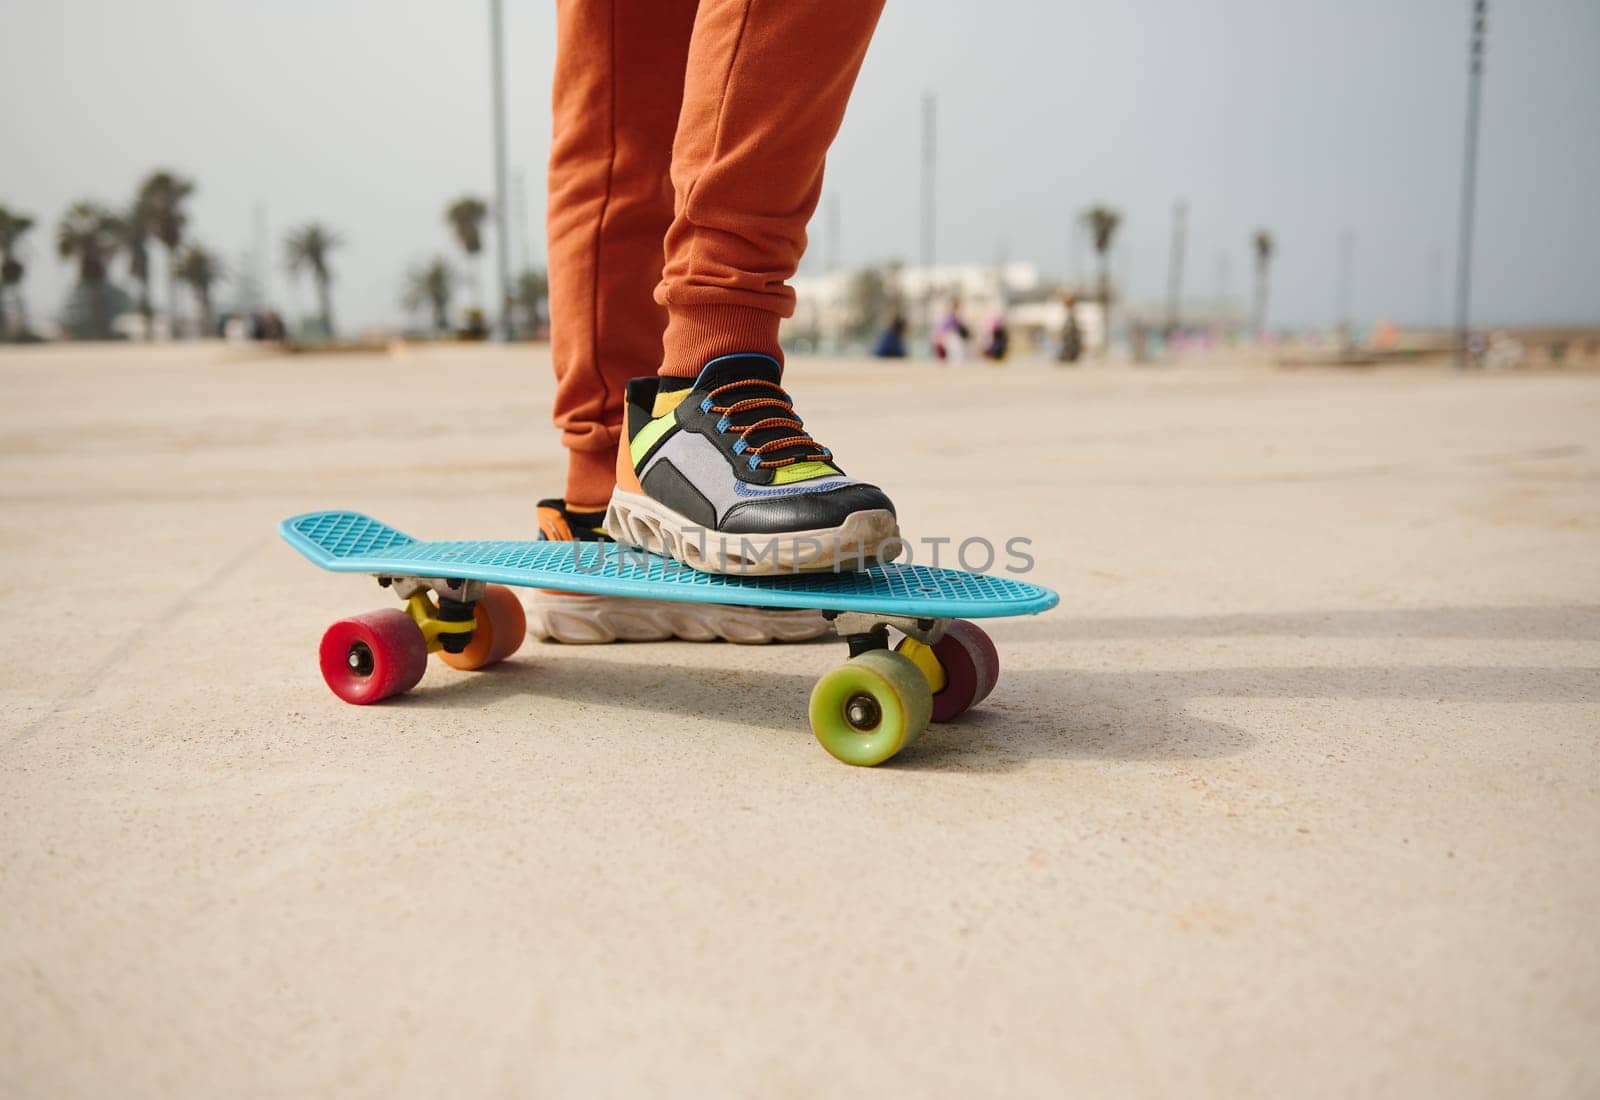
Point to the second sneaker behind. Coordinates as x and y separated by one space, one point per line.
582 619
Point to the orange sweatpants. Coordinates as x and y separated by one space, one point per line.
686 160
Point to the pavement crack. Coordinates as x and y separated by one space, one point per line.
97 673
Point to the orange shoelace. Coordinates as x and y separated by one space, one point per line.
789 423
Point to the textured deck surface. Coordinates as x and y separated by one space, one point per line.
349 542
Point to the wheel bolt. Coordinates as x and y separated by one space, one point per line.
360 659
862 712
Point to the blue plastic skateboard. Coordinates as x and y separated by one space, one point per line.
864 711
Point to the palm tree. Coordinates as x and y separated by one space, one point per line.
90 235
136 241
199 269
431 286
1102 222
12 226
159 209
308 248
1264 247
465 217
869 298
532 288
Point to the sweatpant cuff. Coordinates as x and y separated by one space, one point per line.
698 334
591 475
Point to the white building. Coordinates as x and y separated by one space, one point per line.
844 311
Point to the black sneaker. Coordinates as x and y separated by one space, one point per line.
727 479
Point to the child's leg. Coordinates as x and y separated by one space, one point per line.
766 90
619 80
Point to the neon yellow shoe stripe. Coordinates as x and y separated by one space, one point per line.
640 445
802 471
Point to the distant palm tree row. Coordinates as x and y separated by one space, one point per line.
1102 222
430 286
93 234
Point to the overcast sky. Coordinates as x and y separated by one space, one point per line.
1308 117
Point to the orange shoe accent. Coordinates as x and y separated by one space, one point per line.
627 479
554 525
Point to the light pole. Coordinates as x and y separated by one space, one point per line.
1347 253
502 235
1180 221
1224 277
930 111
929 153
1469 183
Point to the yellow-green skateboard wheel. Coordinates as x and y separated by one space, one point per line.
870 707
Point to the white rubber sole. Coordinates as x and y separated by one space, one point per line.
862 540
577 619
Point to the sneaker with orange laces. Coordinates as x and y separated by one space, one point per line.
720 473
578 619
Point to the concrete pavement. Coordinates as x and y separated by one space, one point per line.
1295 793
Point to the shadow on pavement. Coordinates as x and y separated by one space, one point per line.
1144 714
1580 622
1082 713
759 699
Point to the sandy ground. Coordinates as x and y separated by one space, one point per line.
1296 793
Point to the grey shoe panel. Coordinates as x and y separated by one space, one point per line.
698 462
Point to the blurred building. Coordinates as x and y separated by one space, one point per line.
842 312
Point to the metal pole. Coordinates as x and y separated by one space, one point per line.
260 263
502 235
1469 183
838 292
1079 242
519 191
831 211
1435 317
1224 311
1180 219
1347 251
929 119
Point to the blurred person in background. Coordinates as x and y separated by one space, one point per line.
891 341
950 335
997 341
1071 335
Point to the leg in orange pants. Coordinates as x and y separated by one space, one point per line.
618 86
754 92
767 88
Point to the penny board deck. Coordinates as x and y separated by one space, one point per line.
350 542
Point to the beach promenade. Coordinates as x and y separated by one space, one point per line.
1296 793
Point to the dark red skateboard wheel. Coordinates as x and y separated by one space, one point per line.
370 657
499 628
977 639
971 669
